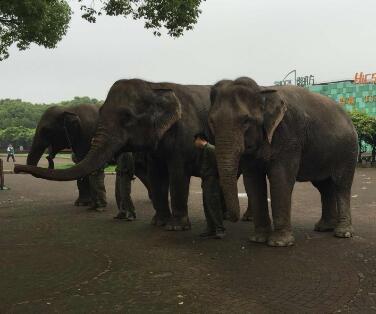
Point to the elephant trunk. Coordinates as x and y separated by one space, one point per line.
102 149
228 164
36 152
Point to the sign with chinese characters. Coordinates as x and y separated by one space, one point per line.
361 78
347 100
351 100
305 80
284 82
296 80
369 98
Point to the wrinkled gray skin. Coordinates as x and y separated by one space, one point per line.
286 134
71 127
160 118
60 128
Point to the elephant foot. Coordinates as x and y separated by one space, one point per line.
81 202
247 216
160 221
344 231
178 224
261 235
281 238
324 225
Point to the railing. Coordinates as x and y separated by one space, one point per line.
1 175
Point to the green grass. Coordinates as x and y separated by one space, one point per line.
110 168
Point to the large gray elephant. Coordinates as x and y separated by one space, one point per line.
72 127
66 127
160 118
287 134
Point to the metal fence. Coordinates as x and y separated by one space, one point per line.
1 175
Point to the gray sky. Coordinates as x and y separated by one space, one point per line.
263 39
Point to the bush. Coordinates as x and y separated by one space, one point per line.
365 126
17 136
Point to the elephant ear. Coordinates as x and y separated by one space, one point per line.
167 110
72 126
274 109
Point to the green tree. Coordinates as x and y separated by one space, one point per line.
365 127
17 136
80 101
15 112
45 22
373 139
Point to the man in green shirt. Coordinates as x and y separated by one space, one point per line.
211 190
125 171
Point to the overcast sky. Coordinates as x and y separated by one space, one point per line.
263 39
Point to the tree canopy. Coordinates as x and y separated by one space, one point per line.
365 126
45 22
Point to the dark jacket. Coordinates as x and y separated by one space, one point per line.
208 162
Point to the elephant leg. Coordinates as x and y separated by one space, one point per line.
329 215
282 180
98 189
344 227
84 198
248 215
179 191
142 175
256 188
159 184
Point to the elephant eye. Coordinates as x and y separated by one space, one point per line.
127 118
246 121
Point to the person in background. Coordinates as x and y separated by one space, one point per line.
10 152
211 190
125 171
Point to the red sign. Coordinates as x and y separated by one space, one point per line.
361 78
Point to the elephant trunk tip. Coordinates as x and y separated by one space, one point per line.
19 168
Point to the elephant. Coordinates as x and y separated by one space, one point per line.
66 127
72 127
160 119
285 134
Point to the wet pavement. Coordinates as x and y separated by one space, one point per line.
55 257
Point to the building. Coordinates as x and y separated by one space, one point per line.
352 95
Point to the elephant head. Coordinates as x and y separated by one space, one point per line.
243 117
134 117
57 129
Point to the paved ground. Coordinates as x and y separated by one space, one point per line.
55 257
